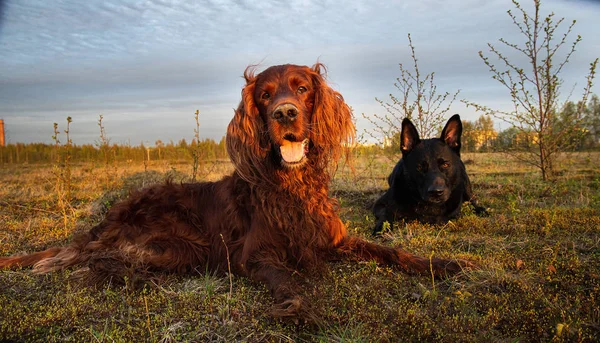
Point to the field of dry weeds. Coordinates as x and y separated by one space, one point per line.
539 253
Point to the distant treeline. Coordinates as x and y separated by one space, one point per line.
208 149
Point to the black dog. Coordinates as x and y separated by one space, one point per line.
430 182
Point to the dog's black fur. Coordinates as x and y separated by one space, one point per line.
430 181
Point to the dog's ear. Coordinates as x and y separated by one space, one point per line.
245 139
332 126
451 133
409 137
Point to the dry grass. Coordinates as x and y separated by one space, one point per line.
539 253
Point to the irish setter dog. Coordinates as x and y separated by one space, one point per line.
272 217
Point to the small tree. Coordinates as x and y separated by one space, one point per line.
418 100
593 119
507 139
486 134
159 146
478 135
468 140
535 87
575 136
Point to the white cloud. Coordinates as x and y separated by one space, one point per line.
162 59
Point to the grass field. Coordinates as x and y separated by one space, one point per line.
538 252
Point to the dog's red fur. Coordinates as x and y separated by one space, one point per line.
270 217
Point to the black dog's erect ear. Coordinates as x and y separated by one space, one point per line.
451 133
409 137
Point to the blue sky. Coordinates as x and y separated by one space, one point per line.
147 65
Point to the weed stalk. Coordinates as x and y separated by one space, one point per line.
62 170
105 149
196 148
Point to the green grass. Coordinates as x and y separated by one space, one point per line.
538 252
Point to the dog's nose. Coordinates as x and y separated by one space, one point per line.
285 112
435 191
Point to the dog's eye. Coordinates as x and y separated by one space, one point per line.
266 96
445 165
301 89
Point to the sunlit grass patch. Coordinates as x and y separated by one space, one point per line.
537 253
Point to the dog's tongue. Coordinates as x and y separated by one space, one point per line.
292 151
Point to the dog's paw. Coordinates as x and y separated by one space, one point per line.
288 308
445 268
381 227
481 211
377 230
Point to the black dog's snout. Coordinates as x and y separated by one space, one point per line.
436 191
285 112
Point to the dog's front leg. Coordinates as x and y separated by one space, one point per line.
265 263
471 198
284 289
355 248
383 211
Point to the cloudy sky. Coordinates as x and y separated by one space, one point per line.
147 65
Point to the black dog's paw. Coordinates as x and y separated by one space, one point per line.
377 230
481 211
381 227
